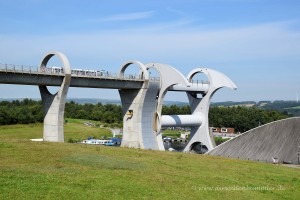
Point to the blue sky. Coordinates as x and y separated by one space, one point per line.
254 42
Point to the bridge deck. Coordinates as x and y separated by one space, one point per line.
39 78
32 76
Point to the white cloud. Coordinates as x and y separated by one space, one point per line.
258 42
128 16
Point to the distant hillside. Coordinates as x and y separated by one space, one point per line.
118 102
76 100
232 103
94 101
288 107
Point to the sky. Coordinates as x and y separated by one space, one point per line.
256 43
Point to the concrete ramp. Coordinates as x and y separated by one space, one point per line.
280 139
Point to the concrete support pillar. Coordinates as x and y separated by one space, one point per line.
139 107
200 134
172 79
169 77
54 104
200 106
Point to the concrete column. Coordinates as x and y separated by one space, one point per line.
200 107
54 104
169 77
200 134
139 108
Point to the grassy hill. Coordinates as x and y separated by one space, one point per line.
43 170
74 129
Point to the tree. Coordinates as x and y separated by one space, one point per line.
240 118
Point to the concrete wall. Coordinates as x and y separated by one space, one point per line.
278 139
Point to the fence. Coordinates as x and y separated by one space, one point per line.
12 68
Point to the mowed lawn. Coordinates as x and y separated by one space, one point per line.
74 129
44 170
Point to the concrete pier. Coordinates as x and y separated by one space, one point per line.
54 104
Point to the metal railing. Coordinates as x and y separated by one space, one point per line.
155 79
18 68
24 69
199 82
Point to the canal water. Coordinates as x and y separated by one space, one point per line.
180 145
177 145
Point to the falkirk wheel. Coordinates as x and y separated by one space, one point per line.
142 109
142 106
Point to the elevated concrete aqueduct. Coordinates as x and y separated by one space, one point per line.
142 107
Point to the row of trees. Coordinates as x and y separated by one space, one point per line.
29 111
21 112
241 118
108 113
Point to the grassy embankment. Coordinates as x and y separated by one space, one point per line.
43 170
74 129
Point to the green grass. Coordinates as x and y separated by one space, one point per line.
44 170
172 133
220 140
74 129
